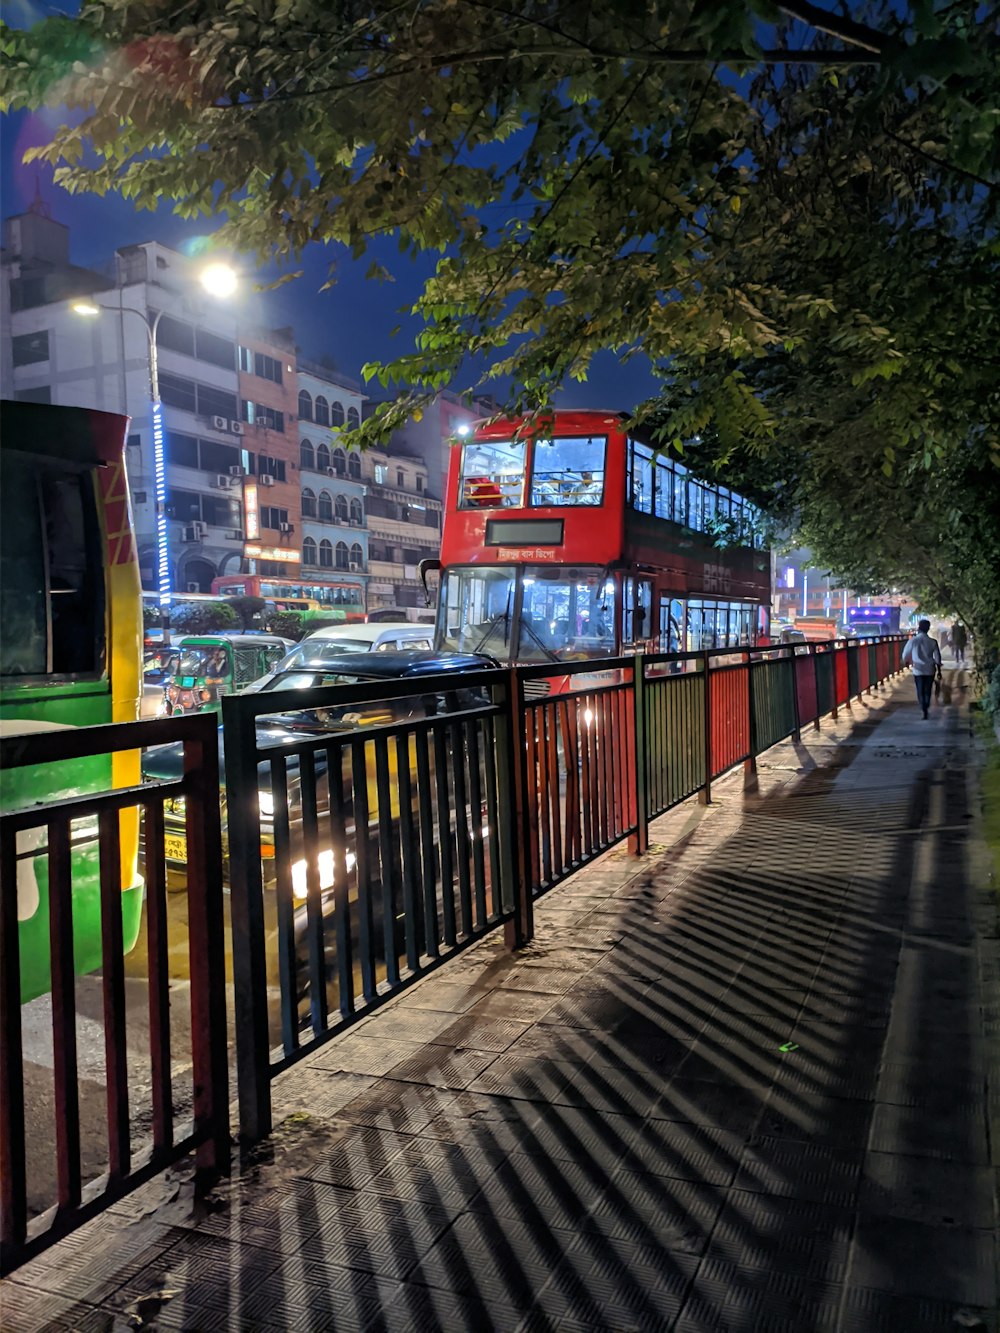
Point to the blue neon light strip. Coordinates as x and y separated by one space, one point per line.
160 479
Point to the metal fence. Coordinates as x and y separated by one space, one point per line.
63 837
361 856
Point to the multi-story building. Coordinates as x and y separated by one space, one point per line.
270 490
404 527
334 530
189 524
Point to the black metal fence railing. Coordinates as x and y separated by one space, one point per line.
373 830
64 855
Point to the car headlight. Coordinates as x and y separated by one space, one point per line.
324 863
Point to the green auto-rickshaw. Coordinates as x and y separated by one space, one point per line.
212 665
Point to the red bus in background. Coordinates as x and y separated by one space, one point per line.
340 599
582 543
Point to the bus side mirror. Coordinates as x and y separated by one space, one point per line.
424 568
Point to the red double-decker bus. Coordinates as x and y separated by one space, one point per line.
584 543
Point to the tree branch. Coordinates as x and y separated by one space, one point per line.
834 25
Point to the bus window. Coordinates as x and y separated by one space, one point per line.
568 471
52 583
641 477
477 607
492 474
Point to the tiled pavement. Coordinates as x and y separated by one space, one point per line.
744 1084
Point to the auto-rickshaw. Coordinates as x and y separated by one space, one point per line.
212 665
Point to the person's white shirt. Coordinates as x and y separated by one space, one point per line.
922 654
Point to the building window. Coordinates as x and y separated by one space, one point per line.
322 458
400 478
357 513
272 517
308 503
325 505
322 411
259 414
340 462
178 392
336 413
308 550
343 555
217 458
353 420
305 406
214 402
246 360
213 349
420 485
307 459
381 474
274 467
326 554
357 555
266 367
30 348
41 393
354 464
178 337
341 509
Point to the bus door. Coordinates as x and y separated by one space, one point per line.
637 603
671 625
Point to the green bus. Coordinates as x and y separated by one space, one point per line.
70 652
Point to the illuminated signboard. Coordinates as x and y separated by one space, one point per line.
160 488
254 552
251 513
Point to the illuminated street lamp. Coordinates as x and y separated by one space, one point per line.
219 280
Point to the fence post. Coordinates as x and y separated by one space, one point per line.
796 735
247 911
512 778
638 842
705 795
813 653
750 763
13 1178
207 945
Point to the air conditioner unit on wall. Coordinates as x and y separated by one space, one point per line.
236 427
222 481
286 528
194 532
220 423
237 535
236 472
266 479
331 472
354 566
193 587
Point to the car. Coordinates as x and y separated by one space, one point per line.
328 644
288 724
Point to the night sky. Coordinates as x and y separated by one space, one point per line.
351 323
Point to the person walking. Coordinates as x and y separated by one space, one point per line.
959 638
923 656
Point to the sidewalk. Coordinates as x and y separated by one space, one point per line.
742 1084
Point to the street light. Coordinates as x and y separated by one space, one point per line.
220 280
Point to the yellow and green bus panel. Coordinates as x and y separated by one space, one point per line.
70 651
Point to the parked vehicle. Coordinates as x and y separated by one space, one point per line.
417 615
165 762
327 644
212 665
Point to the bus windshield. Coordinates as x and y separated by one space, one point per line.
564 614
565 470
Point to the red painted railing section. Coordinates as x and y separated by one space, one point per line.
864 673
840 675
729 713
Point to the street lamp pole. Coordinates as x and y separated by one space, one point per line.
219 280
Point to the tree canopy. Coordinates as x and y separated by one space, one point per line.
791 212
